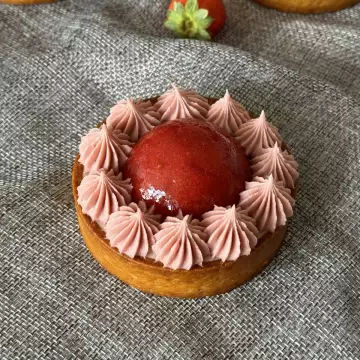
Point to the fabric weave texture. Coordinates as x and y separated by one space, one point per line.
62 66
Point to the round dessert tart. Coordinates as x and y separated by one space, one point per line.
308 6
184 196
26 2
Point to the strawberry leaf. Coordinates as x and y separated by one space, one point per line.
179 7
201 14
191 6
175 18
170 25
203 35
204 24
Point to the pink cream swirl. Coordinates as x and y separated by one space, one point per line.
181 243
181 104
104 148
101 193
256 134
228 114
231 232
131 229
274 161
133 118
268 202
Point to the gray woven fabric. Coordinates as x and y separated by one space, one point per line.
61 68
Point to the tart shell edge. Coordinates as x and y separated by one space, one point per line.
212 278
308 6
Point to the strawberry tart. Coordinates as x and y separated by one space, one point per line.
182 195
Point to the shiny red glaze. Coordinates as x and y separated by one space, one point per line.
189 165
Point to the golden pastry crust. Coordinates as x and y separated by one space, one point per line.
25 2
308 6
149 276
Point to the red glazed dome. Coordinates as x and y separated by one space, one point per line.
189 165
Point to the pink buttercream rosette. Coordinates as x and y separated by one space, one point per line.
181 104
101 193
256 134
280 164
228 114
231 232
131 229
134 118
268 202
181 243
104 148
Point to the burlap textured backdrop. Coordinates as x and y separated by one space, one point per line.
61 68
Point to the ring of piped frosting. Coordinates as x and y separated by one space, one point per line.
182 242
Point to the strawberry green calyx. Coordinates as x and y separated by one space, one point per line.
189 21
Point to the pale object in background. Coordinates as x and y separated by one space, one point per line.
25 2
308 6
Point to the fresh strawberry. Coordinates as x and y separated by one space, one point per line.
198 19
